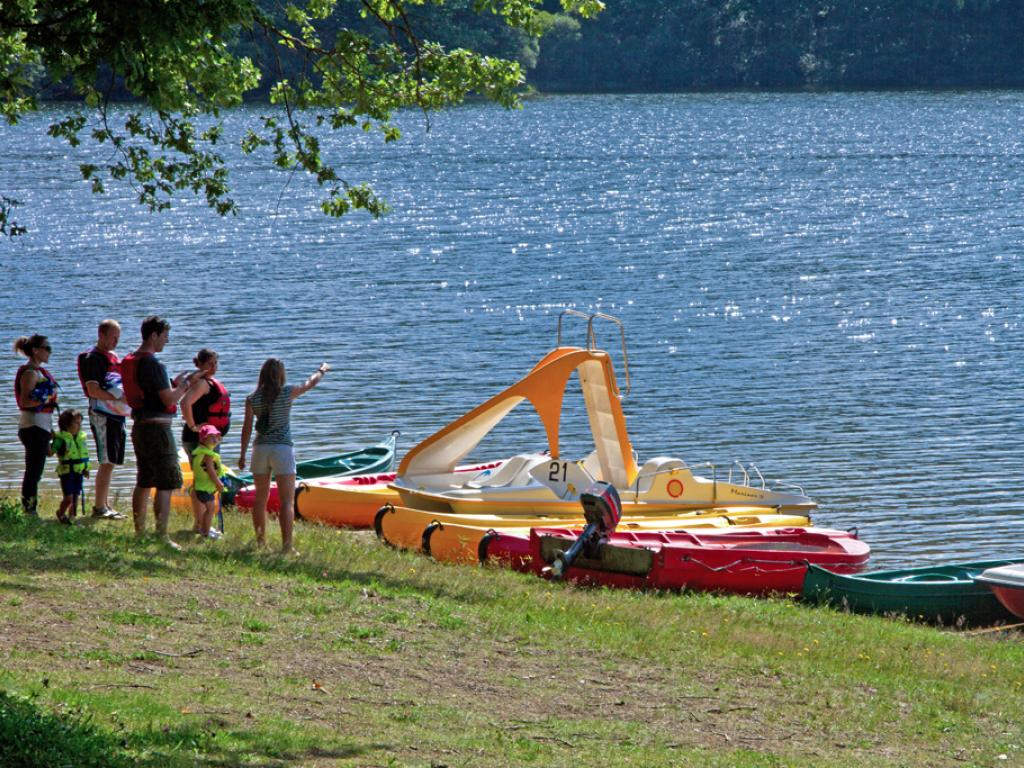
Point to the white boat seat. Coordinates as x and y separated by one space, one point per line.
505 474
525 475
652 468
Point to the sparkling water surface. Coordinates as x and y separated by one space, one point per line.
827 285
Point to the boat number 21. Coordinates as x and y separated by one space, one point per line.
558 471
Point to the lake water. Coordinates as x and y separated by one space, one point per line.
828 285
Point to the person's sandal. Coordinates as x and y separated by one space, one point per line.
106 514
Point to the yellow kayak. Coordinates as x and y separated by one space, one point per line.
342 503
181 498
455 538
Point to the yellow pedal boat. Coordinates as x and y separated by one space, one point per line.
548 483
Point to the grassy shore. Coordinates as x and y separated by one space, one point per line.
123 652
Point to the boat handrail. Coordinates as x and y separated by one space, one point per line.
737 465
592 337
777 485
747 469
702 465
754 468
592 341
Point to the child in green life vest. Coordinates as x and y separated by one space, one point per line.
206 473
72 462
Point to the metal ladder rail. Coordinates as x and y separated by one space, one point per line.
592 338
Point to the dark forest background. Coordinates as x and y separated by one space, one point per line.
687 45
668 45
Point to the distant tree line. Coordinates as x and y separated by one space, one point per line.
669 45
685 45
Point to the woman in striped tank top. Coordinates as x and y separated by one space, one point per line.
268 409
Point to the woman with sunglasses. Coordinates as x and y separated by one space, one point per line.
35 391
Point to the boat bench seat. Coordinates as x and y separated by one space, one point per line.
516 467
653 467
524 476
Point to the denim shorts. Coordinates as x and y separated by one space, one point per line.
276 458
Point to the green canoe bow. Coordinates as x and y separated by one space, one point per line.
941 594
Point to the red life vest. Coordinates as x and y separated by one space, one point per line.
133 393
219 414
49 403
115 365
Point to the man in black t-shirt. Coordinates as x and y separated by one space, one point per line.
156 453
100 373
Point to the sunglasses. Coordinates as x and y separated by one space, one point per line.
47 347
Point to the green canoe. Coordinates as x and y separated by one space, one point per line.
941 594
366 461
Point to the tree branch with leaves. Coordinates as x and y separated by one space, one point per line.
331 65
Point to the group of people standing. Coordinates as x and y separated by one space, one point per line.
139 387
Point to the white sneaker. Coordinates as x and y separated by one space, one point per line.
214 534
106 514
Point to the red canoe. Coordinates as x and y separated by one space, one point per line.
749 562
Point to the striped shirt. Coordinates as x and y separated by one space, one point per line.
279 429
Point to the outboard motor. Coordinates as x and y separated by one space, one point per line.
602 509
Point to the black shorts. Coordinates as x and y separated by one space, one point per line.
156 456
204 496
71 483
109 434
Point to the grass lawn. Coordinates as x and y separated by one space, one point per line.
123 652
